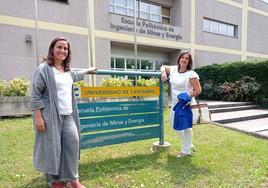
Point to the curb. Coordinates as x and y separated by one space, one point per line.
244 118
232 109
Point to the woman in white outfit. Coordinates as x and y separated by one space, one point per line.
182 79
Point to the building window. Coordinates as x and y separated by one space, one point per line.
130 64
63 1
266 1
155 13
145 10
165 15
121 6
218 27
118 63
123 64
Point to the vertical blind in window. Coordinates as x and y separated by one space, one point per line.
218 27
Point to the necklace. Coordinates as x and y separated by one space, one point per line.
59 68
182 71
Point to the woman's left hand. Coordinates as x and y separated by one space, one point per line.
163 76
91 70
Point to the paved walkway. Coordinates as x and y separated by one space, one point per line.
257 127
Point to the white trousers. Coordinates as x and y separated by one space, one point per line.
186 135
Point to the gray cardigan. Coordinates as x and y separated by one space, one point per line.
47 146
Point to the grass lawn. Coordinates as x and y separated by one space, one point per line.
224 158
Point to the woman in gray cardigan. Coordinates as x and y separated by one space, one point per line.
57 128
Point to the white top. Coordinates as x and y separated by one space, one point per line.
64 84
180 82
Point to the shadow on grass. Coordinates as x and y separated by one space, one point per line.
110 166
18 117
105 168
182 170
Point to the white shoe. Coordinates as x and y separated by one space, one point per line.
181 155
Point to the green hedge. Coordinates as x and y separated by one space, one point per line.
212 76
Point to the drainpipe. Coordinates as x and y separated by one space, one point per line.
36 33
135 35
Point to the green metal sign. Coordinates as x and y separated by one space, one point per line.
107 123
114 108
117 137
106 116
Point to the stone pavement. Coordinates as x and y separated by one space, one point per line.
244 117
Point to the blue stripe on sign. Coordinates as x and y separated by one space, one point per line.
116 108
117 137
117 122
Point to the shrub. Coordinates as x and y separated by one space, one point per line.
227 91
115 82
245 89
15 87
209 91
121 82
217 74
3 86
148 82
81 83
151 82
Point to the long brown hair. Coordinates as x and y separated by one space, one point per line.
50 56
190 64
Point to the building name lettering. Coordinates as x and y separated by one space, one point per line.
146 28
104 123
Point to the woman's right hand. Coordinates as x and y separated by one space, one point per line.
40 124
39 121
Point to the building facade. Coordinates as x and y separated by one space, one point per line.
105 33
